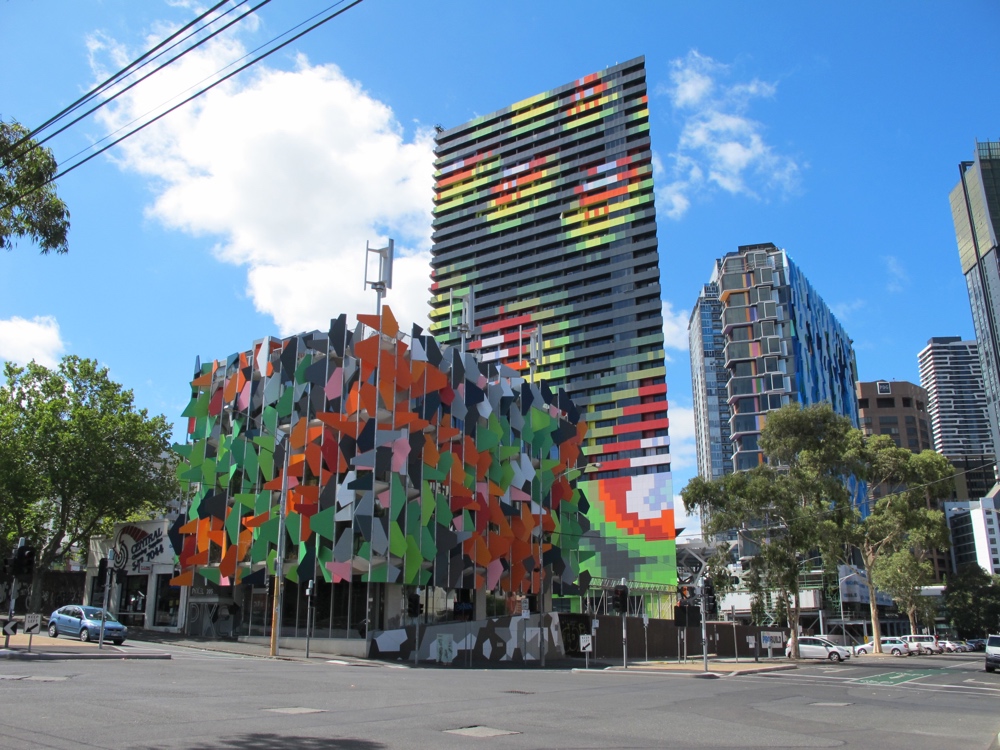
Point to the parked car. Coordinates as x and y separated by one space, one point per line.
85 623
923 644
992 652
951 646
811 647
978 644
890 645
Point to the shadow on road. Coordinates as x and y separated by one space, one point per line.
270 740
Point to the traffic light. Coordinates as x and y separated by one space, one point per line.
681 616
708 592
102 570
620 599
413 605
23 564
685 594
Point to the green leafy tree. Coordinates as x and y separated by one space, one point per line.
902 522
75 457
901 575
29 205
972 599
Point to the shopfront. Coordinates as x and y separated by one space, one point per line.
141 562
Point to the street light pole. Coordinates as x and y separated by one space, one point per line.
279 567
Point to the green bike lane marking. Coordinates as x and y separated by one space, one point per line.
896 678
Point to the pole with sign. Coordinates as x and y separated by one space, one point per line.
107 589
586 645
736 642
32 626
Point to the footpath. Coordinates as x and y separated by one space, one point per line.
151 646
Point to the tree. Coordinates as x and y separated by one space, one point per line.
903 522
29 206
777 510
901 575
972 598
75 457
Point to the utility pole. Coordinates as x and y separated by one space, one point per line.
279 566
12 591
107 590
704 630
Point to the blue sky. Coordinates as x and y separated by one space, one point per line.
832 130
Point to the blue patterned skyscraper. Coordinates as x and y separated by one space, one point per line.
780 344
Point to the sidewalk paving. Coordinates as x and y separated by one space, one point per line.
148 645
45 648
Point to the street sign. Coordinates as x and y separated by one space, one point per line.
751 641
772 639
10 628
586 644
594 624
645 619
525 607
32 624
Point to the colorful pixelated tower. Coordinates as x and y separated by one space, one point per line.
545 230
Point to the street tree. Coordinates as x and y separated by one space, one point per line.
903 521
902 575
76 455
972 599
29 206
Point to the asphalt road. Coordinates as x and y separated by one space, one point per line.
203 699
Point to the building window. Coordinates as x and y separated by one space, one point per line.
862 403
885 403
907 402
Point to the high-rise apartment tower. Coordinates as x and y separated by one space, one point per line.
951 373
975 208
781 344
709 377
545 260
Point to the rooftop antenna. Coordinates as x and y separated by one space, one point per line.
383 279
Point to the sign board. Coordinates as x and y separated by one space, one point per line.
445 643
594 624
525 607
10 628
751 641
645 619
586 644
146 568
772 639
32 624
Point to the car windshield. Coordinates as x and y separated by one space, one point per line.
94 613
993 641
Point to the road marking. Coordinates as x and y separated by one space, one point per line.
296 710
895 678
480 732
832 705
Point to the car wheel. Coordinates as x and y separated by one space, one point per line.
118 642
53 630
990 669
85 635
896 652
861 651
834 656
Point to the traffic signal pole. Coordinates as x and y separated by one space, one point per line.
704 632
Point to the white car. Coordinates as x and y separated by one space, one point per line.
890 645
950 646
811 647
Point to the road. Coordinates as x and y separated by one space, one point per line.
202 699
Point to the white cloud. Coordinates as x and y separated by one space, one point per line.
675 325
682 449
294 171
898 279
683 519
38 339
719 146
844 310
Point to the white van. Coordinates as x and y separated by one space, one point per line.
922 644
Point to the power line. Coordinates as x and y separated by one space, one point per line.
108 100
114 78
17 199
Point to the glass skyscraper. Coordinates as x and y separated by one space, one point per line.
975 208
781 344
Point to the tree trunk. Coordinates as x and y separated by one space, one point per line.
793 622
876 628
35 593
911 613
